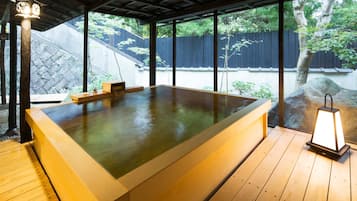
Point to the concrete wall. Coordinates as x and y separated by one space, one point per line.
102 57
203 79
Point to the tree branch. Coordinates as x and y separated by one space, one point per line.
298 8
325 13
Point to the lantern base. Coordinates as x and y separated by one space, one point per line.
328 152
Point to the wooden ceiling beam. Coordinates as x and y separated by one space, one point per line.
63 5
158 5
119 13
99 4
209 7
5 17
194 1
55 13
135 11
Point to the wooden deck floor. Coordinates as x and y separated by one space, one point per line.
282 168
21 175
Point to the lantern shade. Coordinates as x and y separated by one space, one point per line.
328 137
328 130
27 9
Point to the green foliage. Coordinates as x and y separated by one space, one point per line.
164 31
243 88
338 42
100 25
236 48
128 44
104 24
250 89
123 44
338 36
96 80
263 92
195 28
260 19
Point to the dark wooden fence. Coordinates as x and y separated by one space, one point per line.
198 51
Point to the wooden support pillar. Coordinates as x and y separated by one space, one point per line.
152 53
174 53
2 65
215 51
12 124
25 78
85 52
281 63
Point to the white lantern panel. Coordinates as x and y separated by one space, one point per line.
339 129
324 133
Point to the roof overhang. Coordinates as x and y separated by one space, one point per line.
54 12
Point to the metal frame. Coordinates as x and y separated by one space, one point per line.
85 52
281 64
215 51
25 74
174 53
13 73
335 155
2 64
153 35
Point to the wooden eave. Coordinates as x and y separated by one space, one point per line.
55 12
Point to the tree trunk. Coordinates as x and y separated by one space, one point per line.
225 64
304 61
305 55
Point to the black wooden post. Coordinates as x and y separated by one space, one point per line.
174 53
25 78
215 51
13 74
281 63
85 52
2 65
152 53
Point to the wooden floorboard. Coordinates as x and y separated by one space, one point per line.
21 175
228 191
276 185
261 175
353 173
296 186
317 187
339 188
283 168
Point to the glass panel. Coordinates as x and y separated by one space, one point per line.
4 65
322 60
248 55
118 50
164 55
195 54
56 61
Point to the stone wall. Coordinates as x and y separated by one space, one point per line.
53 70
57 61
103 59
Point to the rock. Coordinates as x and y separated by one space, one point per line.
301 107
